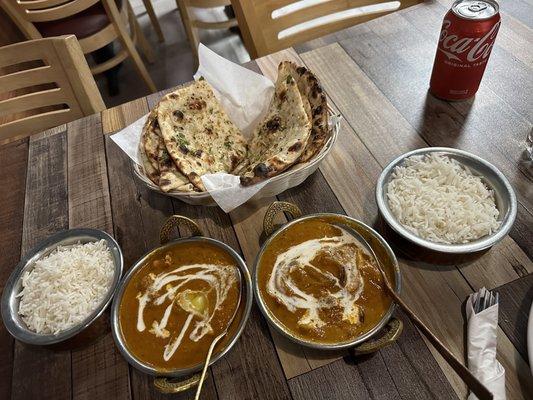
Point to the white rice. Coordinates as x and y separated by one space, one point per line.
438 199
65 287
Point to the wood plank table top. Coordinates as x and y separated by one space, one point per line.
376 76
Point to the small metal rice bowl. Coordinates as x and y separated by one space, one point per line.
503 193
10 302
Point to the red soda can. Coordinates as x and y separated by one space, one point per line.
468 33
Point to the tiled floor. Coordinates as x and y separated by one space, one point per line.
174 60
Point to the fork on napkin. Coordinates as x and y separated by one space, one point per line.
482 336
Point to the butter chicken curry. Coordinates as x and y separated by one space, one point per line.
177 303
319 283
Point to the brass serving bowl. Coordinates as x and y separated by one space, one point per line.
386 331
162 382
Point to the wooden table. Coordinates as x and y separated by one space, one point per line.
376 75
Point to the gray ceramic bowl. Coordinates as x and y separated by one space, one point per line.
10 303
491 176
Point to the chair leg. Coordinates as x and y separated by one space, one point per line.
139 65
153 19
102 55
126 41
143 43
191 31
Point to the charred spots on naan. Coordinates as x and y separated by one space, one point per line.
234 161
197 104
261 170
198 153
164 158
184 149
178 115
317 111
273 124
164 182
296 147
317 91
301 70
193 176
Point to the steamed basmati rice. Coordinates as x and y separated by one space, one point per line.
438 199
65 287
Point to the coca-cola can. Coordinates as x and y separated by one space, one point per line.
468 33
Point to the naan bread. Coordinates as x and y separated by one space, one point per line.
157 162
149 148
198 134
280 139
149 170
170 177
315 104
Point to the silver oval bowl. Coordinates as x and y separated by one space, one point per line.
378 243
10 302
177 373
491 176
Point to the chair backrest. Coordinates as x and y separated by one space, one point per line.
50 10
272 25
207 3
25 13
44 83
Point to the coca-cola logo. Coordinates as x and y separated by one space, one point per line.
475 48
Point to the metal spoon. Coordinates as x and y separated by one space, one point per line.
472 382
217 339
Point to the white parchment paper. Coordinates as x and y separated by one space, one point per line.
244 95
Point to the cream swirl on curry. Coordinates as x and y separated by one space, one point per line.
316 279
341 291
169 288
177 303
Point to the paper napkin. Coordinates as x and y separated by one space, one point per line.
482 335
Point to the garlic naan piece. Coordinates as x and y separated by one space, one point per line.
149 148
315 104
198 134
280 139
149 170
160 169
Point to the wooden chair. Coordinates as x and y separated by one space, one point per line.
96 24
153 19
44 83
268 26
192 24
